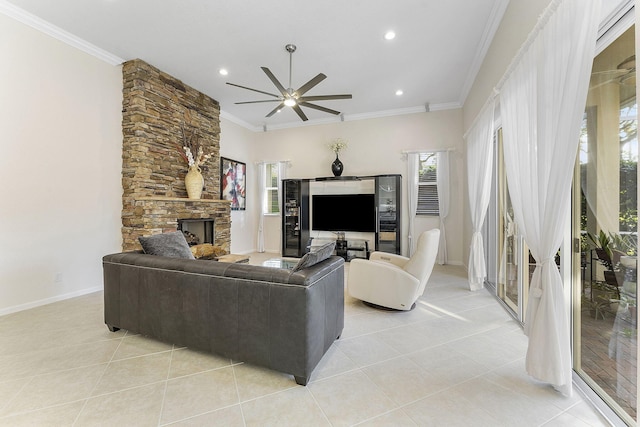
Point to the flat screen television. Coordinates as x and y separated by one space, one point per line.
343 212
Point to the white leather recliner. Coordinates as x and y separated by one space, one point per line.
391 280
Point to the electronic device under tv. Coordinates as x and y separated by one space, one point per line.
343 212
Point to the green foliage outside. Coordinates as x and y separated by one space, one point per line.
628 195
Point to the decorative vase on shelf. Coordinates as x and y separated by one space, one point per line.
337 167
194 182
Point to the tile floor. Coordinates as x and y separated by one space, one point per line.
457 359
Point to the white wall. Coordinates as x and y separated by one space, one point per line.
375 147
518 21
237 143
60 168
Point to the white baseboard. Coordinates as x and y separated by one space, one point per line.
458 263
33 304
242 252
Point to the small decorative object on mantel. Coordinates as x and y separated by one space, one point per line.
193 181
336 146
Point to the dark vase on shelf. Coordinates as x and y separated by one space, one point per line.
337 167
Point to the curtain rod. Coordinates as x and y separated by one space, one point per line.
264 162
542 21
437 150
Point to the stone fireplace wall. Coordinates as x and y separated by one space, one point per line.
156 109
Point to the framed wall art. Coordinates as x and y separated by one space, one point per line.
233 181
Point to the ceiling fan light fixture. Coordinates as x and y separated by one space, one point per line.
290 102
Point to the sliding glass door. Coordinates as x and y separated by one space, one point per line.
603 263
510 243
605 231
506 252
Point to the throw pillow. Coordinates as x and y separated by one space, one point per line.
325 251
173 245
307 260
314 257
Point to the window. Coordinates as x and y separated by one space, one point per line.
428 185
271 189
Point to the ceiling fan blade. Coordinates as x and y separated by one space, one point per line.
320 108
275 81
310 84
323 97
255 90
257 102
275 110
298 110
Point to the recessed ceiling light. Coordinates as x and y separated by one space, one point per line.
389 35
223 72
399 92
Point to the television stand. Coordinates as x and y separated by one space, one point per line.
346 248
349 248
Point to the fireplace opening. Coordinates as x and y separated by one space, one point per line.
197 231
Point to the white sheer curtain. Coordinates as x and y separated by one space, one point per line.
542 104
412 197
442 173
262 171
282 174
479 168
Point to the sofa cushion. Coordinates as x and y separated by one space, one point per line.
172 245
315 256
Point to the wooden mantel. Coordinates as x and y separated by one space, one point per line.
181 199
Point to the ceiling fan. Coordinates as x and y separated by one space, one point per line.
293 98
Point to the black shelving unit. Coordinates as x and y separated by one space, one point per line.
295 217
388 191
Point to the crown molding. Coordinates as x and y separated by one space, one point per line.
39 24
387 113
445 106
314 122
619 20
239 122
489 32
403 111
347 117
